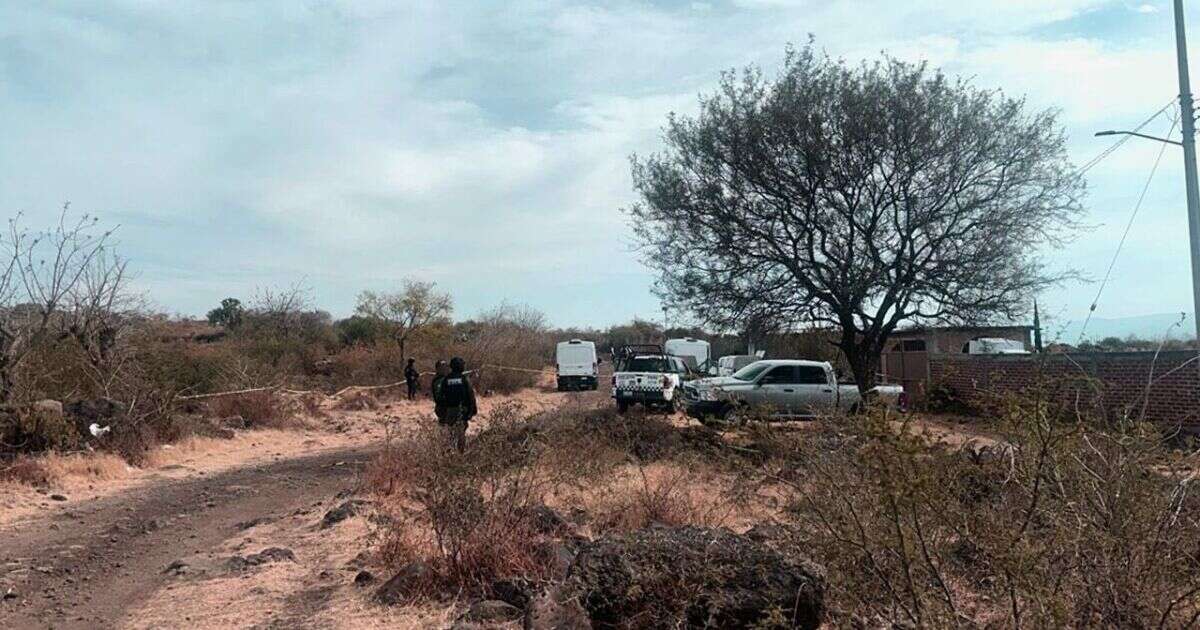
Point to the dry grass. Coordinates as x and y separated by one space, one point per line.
668 494
63 469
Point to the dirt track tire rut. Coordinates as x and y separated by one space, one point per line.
87 566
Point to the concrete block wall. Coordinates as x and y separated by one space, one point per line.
1165 389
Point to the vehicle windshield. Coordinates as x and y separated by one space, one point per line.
648 364
751 372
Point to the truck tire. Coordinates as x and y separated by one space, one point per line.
733 415
622 406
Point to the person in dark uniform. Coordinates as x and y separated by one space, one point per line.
440 371
412 379
457 400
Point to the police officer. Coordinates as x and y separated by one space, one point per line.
411 378
440 371
457 400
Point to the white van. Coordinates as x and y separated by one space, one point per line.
729 364
577 365
986 345
695 352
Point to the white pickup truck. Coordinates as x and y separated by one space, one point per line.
782 389
648 376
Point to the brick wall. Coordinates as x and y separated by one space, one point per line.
1116 383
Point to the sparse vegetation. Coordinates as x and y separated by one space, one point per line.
1062 522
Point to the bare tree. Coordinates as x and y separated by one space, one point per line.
41 273
281 311
854 197
415 306
100 308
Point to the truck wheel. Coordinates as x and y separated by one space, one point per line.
733 415
622 406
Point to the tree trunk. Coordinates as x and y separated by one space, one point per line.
863 357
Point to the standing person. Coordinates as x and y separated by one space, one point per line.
412 378
440 371
458 401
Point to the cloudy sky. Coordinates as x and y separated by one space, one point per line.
484 145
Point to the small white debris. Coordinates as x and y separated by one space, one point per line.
98 430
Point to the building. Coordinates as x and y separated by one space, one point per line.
905 359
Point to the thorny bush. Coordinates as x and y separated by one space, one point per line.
475 517
1058 523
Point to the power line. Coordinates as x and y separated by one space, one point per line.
1128 226
1119 143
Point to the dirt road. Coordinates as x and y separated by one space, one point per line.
88 567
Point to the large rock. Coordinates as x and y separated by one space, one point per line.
696 577
342 512
492 611
413 579
266 556
101 411
555 610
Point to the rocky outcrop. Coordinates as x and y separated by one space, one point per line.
695 577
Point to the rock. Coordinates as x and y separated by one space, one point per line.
557 555
343 512
222 433
10 593
254 522
552 610
48 407
544 519
100 411
178 567
363 578
513 591
266 556
411 580
695 577
58 497
234 422
492 611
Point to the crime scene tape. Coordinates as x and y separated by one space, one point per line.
350 388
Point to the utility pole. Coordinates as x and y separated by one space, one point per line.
1188 114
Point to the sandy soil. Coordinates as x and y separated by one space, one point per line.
152 547
103 556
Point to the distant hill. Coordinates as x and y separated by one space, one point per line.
1142 326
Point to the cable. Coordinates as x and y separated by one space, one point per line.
1119 143
1128 226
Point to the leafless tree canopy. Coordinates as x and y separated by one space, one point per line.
60 283
857 197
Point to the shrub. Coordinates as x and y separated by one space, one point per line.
29 429
1063 524
258 409
25 470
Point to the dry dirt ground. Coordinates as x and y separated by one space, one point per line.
173 545
184 542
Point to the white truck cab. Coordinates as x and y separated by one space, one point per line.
577 365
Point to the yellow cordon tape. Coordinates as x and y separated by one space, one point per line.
344 390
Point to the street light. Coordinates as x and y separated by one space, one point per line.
1140 135
1192 181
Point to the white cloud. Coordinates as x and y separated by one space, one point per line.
482 144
